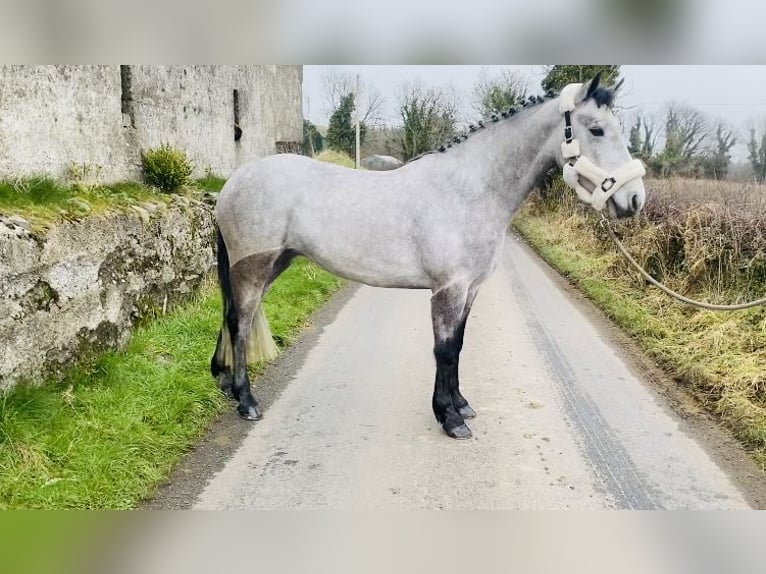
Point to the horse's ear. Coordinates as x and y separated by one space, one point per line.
593 85
589 88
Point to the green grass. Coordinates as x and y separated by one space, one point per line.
114 428
210 183
336 157
44 201
720 357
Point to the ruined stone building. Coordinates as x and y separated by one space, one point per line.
77 288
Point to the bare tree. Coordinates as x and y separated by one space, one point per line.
429 117
651 134
495 94
718 156
644 135
688 135
383 140
756 148
339 84
686 130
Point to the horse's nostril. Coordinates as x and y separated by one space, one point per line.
634 201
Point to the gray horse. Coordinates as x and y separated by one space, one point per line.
437 223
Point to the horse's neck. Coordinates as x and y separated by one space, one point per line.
518 153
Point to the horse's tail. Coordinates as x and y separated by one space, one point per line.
261 346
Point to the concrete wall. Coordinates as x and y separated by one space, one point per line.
54 116
80 287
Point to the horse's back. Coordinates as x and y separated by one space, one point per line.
357 224
263 197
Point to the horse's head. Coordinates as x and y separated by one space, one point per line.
594 156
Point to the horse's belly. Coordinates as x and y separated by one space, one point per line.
385 263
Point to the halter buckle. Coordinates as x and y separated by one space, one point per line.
608 183
568 134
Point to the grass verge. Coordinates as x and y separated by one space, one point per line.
721 357
336 157
210 183
43 201
114 428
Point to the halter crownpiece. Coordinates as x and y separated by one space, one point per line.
576 165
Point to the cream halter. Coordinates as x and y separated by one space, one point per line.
576 165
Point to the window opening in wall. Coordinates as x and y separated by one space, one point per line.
126 85
237 128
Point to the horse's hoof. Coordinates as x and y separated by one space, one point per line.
461 432
251 413
467 412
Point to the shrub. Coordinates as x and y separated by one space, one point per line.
166 168
312 139
341 133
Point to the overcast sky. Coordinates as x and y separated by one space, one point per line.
733 93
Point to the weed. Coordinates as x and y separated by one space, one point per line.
83 176
166 168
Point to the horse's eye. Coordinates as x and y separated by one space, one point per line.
597 132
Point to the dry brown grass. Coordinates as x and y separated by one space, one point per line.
704 237
683 193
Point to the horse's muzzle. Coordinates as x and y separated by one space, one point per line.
635 204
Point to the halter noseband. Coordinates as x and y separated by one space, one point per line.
576 165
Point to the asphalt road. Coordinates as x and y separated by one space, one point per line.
565 419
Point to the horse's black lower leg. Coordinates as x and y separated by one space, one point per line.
443 404
446 309
460 402
239 324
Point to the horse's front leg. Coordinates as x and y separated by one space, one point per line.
460 402
447 313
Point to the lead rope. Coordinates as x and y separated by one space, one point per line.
702 305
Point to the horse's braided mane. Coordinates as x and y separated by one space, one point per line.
602 96
482 124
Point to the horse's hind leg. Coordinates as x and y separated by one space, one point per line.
447 313
249 278
238 323
243 286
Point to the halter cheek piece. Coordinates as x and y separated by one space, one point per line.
576 166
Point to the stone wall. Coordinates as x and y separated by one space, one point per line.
80 287
101 117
